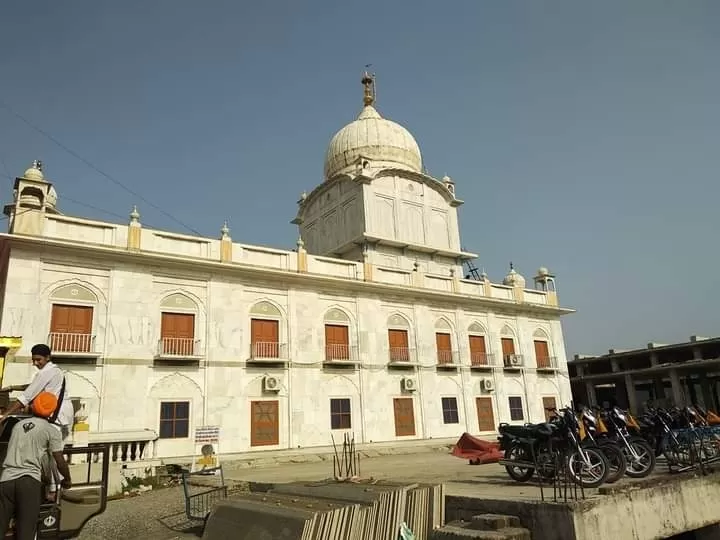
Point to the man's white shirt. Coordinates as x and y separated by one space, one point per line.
50 379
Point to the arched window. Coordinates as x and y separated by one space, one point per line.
337 336
178 325
265 338
72 320
399 339
443 342
478 346
507 342
543 357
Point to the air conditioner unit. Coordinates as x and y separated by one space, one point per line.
488 385
514 360
409 385
271 384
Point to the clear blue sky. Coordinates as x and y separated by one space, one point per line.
583 136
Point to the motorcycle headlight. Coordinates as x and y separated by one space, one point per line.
621 415
590 416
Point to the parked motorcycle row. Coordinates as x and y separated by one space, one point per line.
596 446
684 436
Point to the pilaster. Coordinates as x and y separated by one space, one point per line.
134 230
301 256
226 246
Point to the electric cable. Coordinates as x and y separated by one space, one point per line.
47 135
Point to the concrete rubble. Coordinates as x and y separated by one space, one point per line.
483 527
330 511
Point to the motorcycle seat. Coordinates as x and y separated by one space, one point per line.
529 431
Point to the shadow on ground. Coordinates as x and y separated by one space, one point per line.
179 523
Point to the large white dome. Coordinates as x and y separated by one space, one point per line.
373 137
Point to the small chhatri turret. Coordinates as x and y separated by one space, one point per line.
514 279
35 171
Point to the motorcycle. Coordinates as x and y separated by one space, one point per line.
551 448
593 433
640 455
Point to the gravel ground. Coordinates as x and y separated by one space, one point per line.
156 515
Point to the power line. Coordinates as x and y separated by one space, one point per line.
7 171
5 106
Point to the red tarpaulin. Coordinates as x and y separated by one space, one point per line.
476 450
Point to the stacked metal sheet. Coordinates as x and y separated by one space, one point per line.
425 510
339 511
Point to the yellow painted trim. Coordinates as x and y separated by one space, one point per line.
11 342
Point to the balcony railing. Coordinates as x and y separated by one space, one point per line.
546 362
171 347
340 352
401 355
267 350
127 446
68 344
480 360
447 357
513 361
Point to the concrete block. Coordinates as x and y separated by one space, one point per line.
451 532
493 522
251 520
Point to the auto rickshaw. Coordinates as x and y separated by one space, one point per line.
67 514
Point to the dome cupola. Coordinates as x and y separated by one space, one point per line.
372 137
514 279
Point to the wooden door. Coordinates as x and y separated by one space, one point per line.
508 346
265 338
478 352
444 348
337 342
404 417
548 403
486 417
71 328
177 332
264 423
398 341
542 354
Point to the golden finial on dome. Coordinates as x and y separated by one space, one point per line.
368 82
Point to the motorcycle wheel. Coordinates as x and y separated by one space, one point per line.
519 474
644 465
617 461
592 474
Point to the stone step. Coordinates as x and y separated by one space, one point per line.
493 522
454 532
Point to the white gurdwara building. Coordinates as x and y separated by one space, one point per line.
368 326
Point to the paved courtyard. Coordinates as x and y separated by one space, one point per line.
489 480
159 514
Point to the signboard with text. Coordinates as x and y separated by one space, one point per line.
207 441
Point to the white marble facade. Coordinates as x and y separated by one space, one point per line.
123 388
383 252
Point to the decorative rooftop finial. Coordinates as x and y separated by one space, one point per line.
300 244
225 230
37 164
368 82
511 266
134 215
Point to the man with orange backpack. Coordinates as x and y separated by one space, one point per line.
31 440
